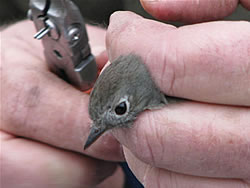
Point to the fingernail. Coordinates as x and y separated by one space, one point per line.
122 17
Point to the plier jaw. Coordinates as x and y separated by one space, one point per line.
62 29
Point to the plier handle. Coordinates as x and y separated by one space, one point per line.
62 29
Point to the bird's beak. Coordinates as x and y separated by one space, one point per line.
94 134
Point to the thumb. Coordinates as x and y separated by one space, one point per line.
194 62
189 11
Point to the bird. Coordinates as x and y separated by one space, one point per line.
123 90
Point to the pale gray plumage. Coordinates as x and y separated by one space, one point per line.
127 83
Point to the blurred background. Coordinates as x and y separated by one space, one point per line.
95 12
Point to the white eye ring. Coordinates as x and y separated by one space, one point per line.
122 107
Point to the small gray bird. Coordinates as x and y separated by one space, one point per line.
123 90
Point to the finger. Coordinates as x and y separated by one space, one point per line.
42 107
101 60
207 62
150 176
192 138
96 38
18 42
189 11
25 163
246 4
97 42
39 105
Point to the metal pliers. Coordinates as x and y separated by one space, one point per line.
62 29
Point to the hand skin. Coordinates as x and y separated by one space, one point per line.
44 120
192 11
202 143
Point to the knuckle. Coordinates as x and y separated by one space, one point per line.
150 146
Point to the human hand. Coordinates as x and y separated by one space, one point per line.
192 11
202 143
45 121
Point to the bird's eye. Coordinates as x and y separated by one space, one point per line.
121 108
